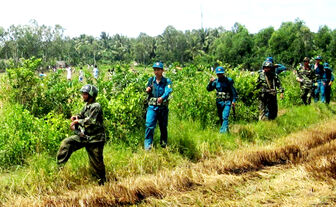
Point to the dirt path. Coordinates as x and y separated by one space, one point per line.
298 170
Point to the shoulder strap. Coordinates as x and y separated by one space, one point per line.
152 85
152 81
165 81
267 81
229 80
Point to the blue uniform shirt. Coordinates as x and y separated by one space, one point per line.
161 89
328 76
319 71
224 85
280 68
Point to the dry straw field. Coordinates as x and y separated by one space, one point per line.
297 170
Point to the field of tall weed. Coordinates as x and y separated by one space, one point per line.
36 112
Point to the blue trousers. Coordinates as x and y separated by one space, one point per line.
319 92
223 110
153 115
327 92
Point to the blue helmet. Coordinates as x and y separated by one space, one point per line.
326 66
270 59
318 58
220 70
158 65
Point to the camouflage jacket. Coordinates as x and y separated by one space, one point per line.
307 76
91 122
269 83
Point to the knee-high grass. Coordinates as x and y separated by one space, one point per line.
188 142
32 128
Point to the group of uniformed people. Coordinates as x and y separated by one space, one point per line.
90 132
315 80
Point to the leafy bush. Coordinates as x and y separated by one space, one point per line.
36 118
22 134
292 95
24 84
191 100
124 113
39 96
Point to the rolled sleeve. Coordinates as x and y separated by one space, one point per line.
211 85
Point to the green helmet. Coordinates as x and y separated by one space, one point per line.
90 89
318 58
267 64
306 59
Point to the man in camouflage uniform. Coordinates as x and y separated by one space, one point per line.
306 77
268 82
89 133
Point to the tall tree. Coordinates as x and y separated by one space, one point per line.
144 49
260 47
171 46
291 42
234 46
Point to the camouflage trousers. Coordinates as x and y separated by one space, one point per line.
94 150
268 106
306 95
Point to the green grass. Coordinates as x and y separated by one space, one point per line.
188 142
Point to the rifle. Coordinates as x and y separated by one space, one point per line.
150 94
308 83
234 112
79 130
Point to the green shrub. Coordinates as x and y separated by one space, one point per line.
37 115
22 134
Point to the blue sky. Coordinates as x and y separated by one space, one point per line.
129 17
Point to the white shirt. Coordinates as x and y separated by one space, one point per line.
95 73
81 75
69 73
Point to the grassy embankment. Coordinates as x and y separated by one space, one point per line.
190 145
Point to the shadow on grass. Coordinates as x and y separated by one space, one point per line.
187 147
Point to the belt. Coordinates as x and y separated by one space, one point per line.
269 91
223 95
154 102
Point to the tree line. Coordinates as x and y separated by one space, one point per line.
288 45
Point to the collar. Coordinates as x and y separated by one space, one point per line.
163 80
89 105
